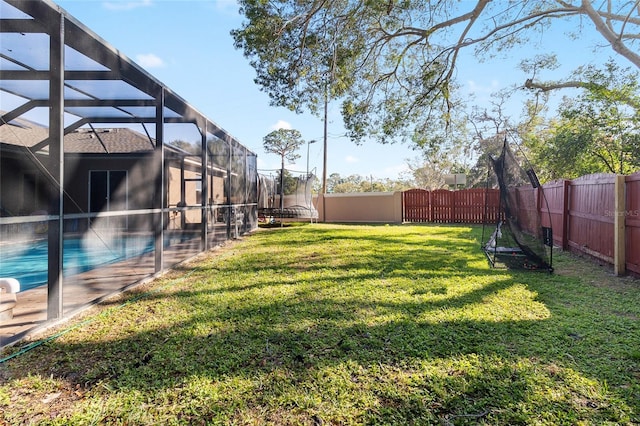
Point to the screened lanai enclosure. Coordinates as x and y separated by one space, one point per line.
107 177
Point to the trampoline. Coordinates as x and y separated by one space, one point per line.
295 202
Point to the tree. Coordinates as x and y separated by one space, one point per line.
285 143
490 128
591 137
193 148
595 131
611 80
355 183
392 62
289 183
441 153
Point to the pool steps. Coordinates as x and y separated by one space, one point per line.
8 289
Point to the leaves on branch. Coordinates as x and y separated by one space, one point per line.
392 64
284 142
599 129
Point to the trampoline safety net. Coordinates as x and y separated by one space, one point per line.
297 199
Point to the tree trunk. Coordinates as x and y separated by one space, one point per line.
282 187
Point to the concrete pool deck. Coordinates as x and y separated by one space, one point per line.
86 289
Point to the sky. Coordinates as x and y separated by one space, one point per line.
186 45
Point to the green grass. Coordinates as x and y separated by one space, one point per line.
336 324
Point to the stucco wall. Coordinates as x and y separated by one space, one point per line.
368 207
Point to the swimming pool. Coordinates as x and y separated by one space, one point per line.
28 262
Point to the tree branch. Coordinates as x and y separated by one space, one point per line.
475 14
576 84
547 87
462 18
615 42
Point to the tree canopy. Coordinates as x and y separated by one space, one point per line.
283 142
392 63
357 183
597 131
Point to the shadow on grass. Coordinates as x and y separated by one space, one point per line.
389 320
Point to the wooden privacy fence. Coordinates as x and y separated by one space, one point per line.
476 205
632 222
598 215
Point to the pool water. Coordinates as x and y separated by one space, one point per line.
28 263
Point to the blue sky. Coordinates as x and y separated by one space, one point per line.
186 45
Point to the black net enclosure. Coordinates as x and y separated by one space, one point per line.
294 201
518 239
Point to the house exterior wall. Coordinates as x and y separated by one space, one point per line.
22 196
136 194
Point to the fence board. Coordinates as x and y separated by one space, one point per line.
524 201
415 205
590 218
632 222
475 205
492 206
442 206
553 205
469 206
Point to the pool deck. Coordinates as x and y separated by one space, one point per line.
84 290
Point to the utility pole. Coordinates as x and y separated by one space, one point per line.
324 137
308 179
324 158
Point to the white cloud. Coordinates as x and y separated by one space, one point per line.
149 60
394 172
474 87
281 124
227 5
351 159
126 5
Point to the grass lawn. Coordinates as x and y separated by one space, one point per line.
335 324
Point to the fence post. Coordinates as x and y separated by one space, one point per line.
619 256
430 207
398 204
564 237
454 207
